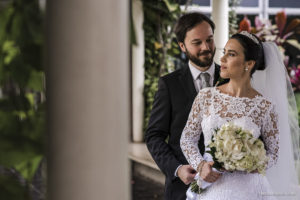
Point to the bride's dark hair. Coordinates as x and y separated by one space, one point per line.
252 50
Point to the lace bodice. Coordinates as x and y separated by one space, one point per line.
211 109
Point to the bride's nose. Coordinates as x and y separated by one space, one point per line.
222 59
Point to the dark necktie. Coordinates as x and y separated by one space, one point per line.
204 80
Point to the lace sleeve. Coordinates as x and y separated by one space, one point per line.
191 133
270 135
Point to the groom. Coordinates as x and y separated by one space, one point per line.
174 99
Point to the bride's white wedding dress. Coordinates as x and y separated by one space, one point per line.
211 109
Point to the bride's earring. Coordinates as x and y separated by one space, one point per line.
246 69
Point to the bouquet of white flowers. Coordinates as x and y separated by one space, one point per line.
234 148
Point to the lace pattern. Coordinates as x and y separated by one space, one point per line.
239 186
211 109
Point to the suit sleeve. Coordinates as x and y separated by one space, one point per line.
158 131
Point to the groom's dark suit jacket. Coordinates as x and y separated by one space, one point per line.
171 107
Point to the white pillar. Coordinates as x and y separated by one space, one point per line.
88 99
138 59
265 7
220 18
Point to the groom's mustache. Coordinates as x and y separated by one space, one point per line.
204 53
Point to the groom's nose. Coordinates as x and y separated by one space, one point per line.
204 46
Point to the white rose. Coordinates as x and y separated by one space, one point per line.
248 163
237 156
256 152
237 153
229 166
228 145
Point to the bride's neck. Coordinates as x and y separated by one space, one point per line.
238 88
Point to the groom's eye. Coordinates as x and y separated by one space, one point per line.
209 40
197 43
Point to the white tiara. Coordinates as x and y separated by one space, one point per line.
249 35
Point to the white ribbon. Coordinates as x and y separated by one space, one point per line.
192 195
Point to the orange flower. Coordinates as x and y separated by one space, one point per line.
280 21
245 25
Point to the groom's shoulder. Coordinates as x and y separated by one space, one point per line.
175 74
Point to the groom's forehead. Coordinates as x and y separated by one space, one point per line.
200 31
196 39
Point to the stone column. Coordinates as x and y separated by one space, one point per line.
88 99
138 59
220 18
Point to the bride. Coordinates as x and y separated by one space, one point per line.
260 106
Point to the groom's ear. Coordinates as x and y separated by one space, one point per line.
182 46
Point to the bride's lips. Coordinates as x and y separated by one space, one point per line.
223 67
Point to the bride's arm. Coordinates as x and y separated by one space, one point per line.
191 133
270 135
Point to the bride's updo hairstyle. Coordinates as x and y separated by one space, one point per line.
253 49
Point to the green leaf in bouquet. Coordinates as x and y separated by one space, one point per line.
218 165
239 131
195 188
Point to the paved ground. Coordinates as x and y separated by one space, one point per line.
146 189
142 187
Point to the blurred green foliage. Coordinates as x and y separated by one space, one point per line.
232 15
160 45
22 101
12 189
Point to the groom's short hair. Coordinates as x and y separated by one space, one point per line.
188 21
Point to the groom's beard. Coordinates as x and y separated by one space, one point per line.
206 61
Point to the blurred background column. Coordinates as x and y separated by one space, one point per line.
88 99
220 18
138 54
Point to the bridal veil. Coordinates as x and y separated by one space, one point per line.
274 84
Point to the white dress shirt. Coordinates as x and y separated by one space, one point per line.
196 72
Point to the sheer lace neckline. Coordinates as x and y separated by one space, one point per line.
218 91
212 108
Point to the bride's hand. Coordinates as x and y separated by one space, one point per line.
207 174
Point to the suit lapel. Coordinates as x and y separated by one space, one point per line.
217 74
186 80
218 77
